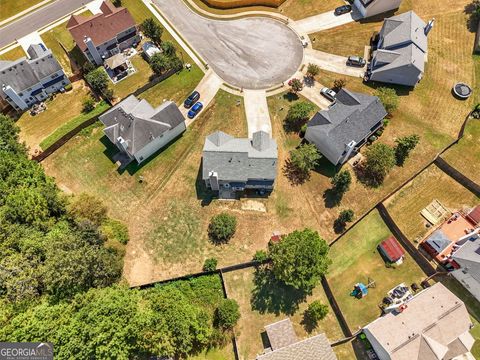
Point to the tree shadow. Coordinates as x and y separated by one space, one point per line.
473 18
332 198
308 323
325 168
365 178
400 90
294 175
290 96
339 226
273 296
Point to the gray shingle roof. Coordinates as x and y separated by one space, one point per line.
281 334
404 28
439 240
314 348
350 117
469 251
23 73
138 123
240 159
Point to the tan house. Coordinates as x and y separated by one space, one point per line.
433 325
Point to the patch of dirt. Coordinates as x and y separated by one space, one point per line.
252 205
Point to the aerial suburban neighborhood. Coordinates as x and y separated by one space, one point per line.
240 179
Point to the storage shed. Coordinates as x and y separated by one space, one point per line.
391 249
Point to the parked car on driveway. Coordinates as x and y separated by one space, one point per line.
356 61
344 9
192 99
195 110
328 93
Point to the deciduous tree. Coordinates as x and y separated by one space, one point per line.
222 227
389 98
404 146
152 30
305 158
380 159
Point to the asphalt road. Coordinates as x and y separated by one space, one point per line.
250 53
37 19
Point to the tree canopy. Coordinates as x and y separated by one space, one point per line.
152 30
380 159
404 146
305 157
222 227
300 259
389 98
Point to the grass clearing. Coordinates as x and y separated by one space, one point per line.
433 183
13 54
61 109
72 124
465 156
10 8
355 258
176 88
240 285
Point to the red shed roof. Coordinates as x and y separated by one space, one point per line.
474 215
392 249
101 27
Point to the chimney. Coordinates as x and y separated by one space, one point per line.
213 177
429 26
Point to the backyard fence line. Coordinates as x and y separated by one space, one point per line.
347 332
422 262
457 176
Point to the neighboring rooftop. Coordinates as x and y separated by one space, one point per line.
474 215
101 27
434 325
351 117
470 251
240 159
138 123
23 73
285 345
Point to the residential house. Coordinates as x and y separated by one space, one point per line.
369 8
27 81
466 258
139 130
433 325
443 241
401 50
284 344
232 165
104 35
339 132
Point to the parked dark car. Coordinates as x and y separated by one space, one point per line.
192 99
356 61
344 9
195 110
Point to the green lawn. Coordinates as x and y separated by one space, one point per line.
176 88
11 7
355 259
14 54
72 124
131 83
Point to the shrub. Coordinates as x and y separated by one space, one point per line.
210 264
389 98
88 105
316 311
260 256
404 146
296 85
88 207
222 227
339 84
313 70
227 314
115 230
341 222
341 182
68 87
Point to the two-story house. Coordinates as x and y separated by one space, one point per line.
369 8
104 35
26 81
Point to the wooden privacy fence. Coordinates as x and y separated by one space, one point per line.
230 4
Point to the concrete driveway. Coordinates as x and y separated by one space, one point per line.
334 63
250 53
312 92
256 110
38 19
323 21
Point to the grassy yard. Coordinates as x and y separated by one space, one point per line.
271 304
11 7
299 9
355 258
176 88
433 183
72 124
131 83
60 35
14 54
465 156
60 110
